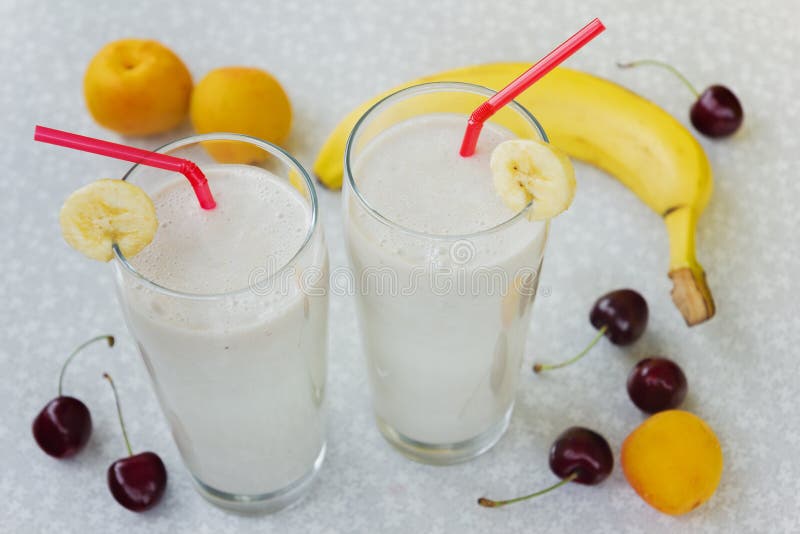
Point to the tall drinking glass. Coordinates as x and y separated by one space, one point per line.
229 310
444 273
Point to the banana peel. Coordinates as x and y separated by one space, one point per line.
603 124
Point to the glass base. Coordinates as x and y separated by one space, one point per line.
445 453
264 503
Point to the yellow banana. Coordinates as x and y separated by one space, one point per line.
603 124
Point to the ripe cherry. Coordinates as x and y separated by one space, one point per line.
620 315
716 111
656 384
63 427
138 481
577 455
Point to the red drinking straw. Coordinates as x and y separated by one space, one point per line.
533 74
136 155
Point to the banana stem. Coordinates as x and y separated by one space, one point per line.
488 503
109 339
663 65
547 367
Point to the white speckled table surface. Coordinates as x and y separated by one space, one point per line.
742 366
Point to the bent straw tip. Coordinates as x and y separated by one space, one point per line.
204 196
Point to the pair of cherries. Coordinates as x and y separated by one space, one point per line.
63 427
654 384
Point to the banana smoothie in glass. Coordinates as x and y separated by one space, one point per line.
445 273
229 310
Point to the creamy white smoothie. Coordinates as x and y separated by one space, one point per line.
443 352
240 377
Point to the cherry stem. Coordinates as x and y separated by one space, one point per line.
663 65
109 339
547 367
119 413
488 503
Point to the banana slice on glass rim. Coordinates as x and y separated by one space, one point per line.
525 170
105 212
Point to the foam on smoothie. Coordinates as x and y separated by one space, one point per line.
260 221
413 175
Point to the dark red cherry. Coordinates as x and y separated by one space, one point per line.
581 453
657 384
577 455
623 313
717 112
63 427
138 481
620 315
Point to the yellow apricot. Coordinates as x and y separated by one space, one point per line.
673 460
245 101
137 87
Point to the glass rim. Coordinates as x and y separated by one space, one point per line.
431 87
275 151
